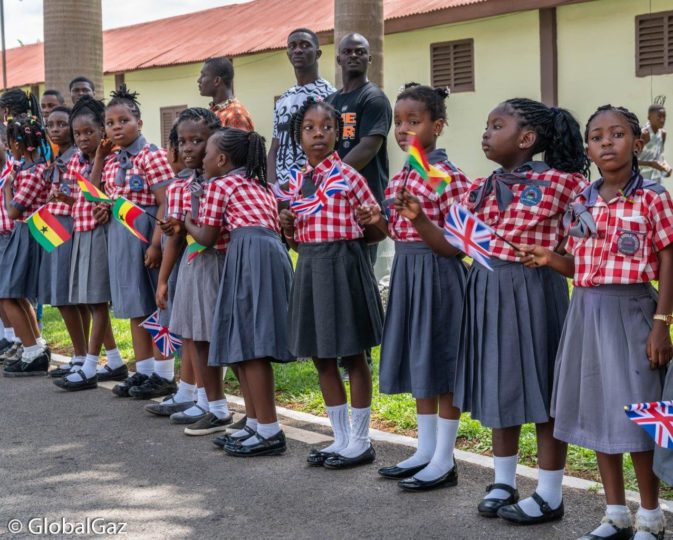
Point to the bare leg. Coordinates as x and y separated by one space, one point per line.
212 376
648 483
75 326
329 378
259 379
85 315
360 378
20 321
142 342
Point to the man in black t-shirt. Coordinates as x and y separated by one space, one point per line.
366 114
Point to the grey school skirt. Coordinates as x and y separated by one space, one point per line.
510 331
422 324
250 318
602 366
20 264
89 268
54 275
132 284
335 307
195 295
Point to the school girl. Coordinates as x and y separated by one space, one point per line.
192 129
422 325
249 326
616 338
138 171
88 280
505 363
20 259
54 270
335 309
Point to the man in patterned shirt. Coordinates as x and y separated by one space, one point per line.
216 81
303 51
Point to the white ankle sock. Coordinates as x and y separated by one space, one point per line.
202 398
652 519
250 423
89 368
359 437
146 367
41 342
619 515
264 430
9 334
427 441
186 392
505 473
114 358
31 352
219 408
549 487
442 459
338 418
165 368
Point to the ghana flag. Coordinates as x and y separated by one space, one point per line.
193 248
126 213
418 161
46 229
91 192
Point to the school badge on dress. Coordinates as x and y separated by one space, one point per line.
628 243
531 196
65 189
136 183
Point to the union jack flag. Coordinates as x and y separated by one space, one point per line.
9 166
656 418
166 342
464 231
293 186
334 184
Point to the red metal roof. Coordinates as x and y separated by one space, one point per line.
231 30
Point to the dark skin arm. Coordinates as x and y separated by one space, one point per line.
659 348
153 253
287 225
372 217
204 235
271 162
101 213
534 256
364 151
174 246
103 151
7 193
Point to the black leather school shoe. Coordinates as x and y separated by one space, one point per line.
340 462
395 472
446 480
515 514
224 440
272 446
621 533
316 458
117 374
64 370
489 507
74 386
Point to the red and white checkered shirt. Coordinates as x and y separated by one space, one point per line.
190 193
6 224
149 171
175 207
56 178
535 214
336 221
435 206
82 210
630 230
30 189
236 201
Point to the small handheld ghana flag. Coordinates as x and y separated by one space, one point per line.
193 248
91 192
46 229
418 161
126 213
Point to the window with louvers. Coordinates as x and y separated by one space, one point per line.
452 65
654 44
168 116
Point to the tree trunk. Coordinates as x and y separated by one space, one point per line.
364 17
73 43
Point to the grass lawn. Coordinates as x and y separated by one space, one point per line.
297 388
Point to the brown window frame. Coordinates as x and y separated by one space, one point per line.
666 18
165 130
455 88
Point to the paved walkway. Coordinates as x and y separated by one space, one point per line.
91 454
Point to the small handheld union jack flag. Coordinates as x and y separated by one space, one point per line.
166 342
466 232
656 418
9 166
334 184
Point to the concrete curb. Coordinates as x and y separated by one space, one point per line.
403 440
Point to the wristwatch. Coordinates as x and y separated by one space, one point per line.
667 319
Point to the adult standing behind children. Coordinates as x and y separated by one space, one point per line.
81 86
651 157
216 81
303 51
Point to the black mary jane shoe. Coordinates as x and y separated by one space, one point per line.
446 480
74 386
396 473
338 461
230 439
316 458
64 370
515 514
489 507
120 373
621 533
272 446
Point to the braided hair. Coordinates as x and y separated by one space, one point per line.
88 106
123 96
199 114
19 102
558 134
28 132
434 99
173 143
298 117
630 118
245 149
